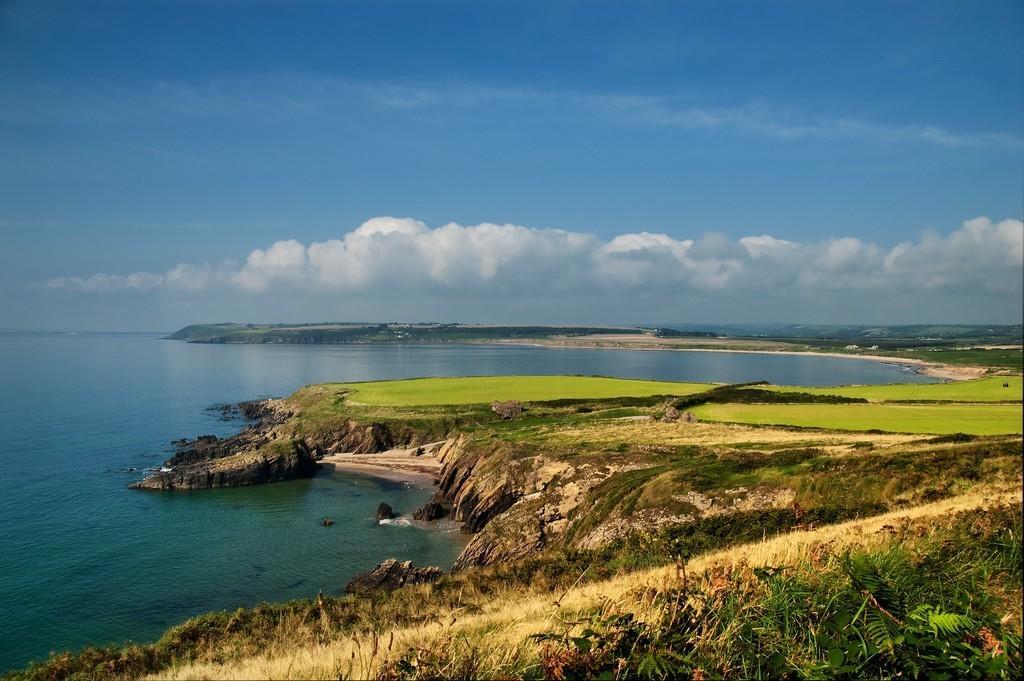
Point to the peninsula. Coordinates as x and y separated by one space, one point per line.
953 352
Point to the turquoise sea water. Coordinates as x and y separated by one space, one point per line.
83 559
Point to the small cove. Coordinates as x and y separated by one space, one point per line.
86 560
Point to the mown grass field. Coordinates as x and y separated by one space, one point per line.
988 389
939 419
484 389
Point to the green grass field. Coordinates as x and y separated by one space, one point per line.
485 389
989 389
982 419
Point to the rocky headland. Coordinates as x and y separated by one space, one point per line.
269 449
525 479
252 457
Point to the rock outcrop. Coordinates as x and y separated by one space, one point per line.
282 461
432 510
356 438
265 451
391 575
255 410
507 410
384 511
474 497
254 456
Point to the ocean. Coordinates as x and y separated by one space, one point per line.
83 559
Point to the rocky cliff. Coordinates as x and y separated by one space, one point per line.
278 461
515 495
268 450
487 488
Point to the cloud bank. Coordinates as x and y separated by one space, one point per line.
386 257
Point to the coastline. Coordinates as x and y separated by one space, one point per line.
934 369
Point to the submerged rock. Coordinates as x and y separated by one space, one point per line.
385 512
326 522
391 575
432 510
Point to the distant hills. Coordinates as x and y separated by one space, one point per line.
904 336
361 332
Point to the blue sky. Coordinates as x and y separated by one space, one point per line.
137 137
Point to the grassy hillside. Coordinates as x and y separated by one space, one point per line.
930 591
988 389
608 539
484 389
980 419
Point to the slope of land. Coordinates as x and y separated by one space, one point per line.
832 602
580 509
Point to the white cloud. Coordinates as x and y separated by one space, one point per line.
981 253
284 261
400 252
766 246
387 255
192 278
106 283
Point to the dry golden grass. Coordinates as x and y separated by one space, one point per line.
706 434
499 633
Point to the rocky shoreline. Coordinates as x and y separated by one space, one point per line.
262 452
512 500
265 452
251 457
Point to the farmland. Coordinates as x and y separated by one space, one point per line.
988 389
483 389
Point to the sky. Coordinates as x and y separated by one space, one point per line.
165 163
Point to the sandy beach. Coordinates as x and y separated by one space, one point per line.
399 465
948 372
